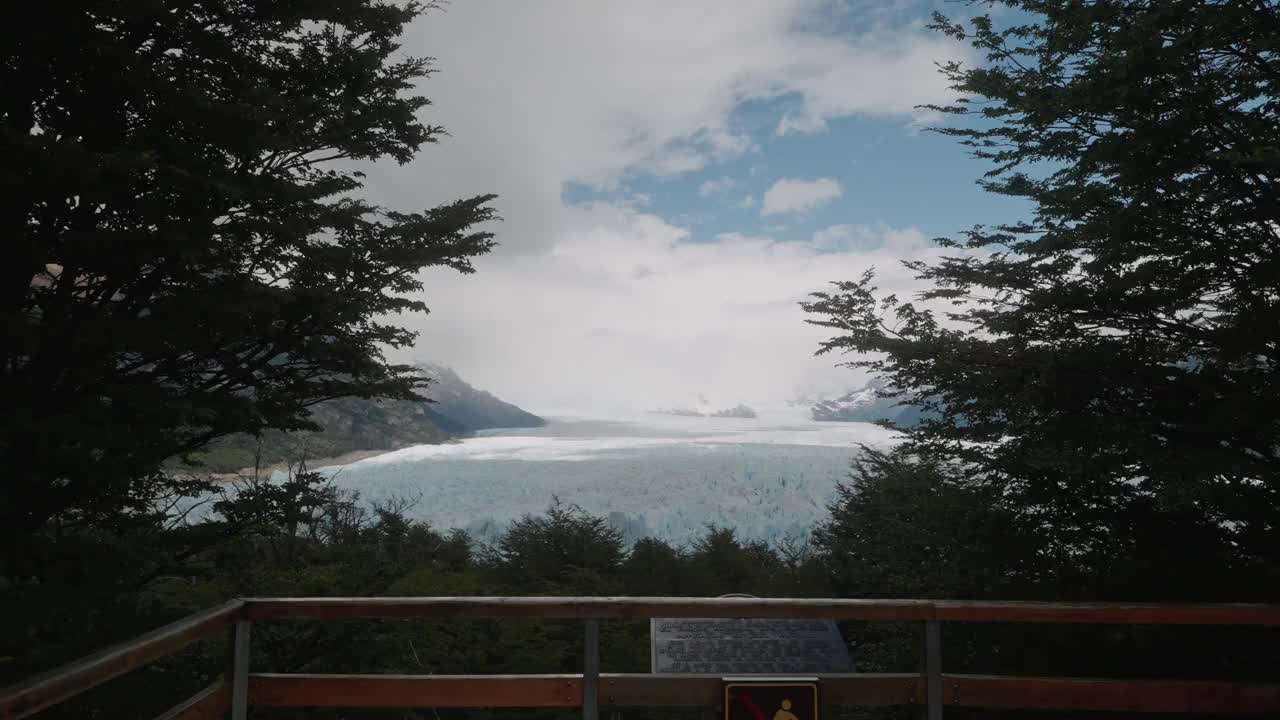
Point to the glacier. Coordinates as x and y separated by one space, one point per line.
649 475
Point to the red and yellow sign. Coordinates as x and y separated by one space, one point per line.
770 700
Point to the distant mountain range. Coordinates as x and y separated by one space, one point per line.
451 408
866 405
737 411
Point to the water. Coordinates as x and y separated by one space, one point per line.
653 475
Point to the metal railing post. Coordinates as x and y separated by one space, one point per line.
591 672
240 671
933 669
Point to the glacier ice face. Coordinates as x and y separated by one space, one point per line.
660 476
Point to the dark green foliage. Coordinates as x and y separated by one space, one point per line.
565 546
1110 365
184 260
1098 383
722 564
911 527
306 539
654 568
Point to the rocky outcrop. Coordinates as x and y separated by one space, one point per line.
459 408
741 411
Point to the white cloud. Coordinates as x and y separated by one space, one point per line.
716 186
538 94
847 238
747 201
802 123
640 199
614 303
626 313
795 194
837 84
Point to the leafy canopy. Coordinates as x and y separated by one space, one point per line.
187 254
1119 348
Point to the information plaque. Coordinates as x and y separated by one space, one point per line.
731 646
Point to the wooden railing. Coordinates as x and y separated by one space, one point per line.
931 689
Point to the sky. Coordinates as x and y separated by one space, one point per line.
673 179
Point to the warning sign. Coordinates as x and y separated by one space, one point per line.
771 700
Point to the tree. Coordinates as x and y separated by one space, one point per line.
1110 362
546 550
724 564
654 568
905 526
187 254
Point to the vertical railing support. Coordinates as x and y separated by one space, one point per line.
933 669
591 672
240 671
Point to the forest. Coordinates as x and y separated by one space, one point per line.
900 529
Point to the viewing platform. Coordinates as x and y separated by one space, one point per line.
932 689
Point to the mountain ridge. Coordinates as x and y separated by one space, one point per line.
449 408
458 408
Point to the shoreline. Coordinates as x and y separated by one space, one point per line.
347 458
340 460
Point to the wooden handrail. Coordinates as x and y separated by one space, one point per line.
331 608
584 608
1107 613
565 691
211 703
1059 693
991 691
74 678
656 690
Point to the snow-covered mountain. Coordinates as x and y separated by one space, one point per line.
739 411
866 404
700 405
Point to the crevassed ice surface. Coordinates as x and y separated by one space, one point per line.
655 475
